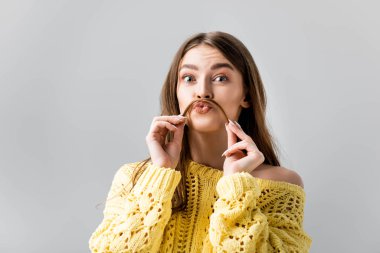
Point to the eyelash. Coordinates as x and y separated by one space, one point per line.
223 76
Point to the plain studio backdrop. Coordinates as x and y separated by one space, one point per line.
80 84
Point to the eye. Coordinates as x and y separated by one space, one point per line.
221 79
188 78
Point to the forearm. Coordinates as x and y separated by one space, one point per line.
147 210
238 223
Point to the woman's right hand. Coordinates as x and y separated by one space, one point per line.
165 155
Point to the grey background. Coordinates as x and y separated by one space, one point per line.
80 83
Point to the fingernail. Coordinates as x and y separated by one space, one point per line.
225 152
231 121
237 124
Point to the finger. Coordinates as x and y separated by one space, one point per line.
240 146
174 119
159 125
239 132
178 134
231 137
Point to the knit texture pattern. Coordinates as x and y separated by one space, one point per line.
235 213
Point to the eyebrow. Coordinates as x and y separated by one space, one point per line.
213 67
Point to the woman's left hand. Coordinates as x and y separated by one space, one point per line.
236 160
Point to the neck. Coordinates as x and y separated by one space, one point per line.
207 147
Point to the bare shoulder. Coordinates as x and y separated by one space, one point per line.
278 173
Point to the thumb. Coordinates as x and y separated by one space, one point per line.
178 134
231 137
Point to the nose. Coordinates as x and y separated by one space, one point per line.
204 90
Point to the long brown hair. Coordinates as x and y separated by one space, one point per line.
251 119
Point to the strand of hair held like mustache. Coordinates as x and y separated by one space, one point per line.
204 100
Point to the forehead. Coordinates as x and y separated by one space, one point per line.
203 55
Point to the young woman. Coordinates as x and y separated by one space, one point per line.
213 182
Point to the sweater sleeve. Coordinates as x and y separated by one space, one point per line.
239 225
134 220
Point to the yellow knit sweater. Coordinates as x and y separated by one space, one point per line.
235 213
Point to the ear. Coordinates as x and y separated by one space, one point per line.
245 103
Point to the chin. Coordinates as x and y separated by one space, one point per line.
209 125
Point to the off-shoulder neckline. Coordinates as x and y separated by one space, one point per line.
208 173
203 169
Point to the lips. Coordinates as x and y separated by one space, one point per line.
207 106
202 104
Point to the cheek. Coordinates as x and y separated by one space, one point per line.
182 99
231 104
232 109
